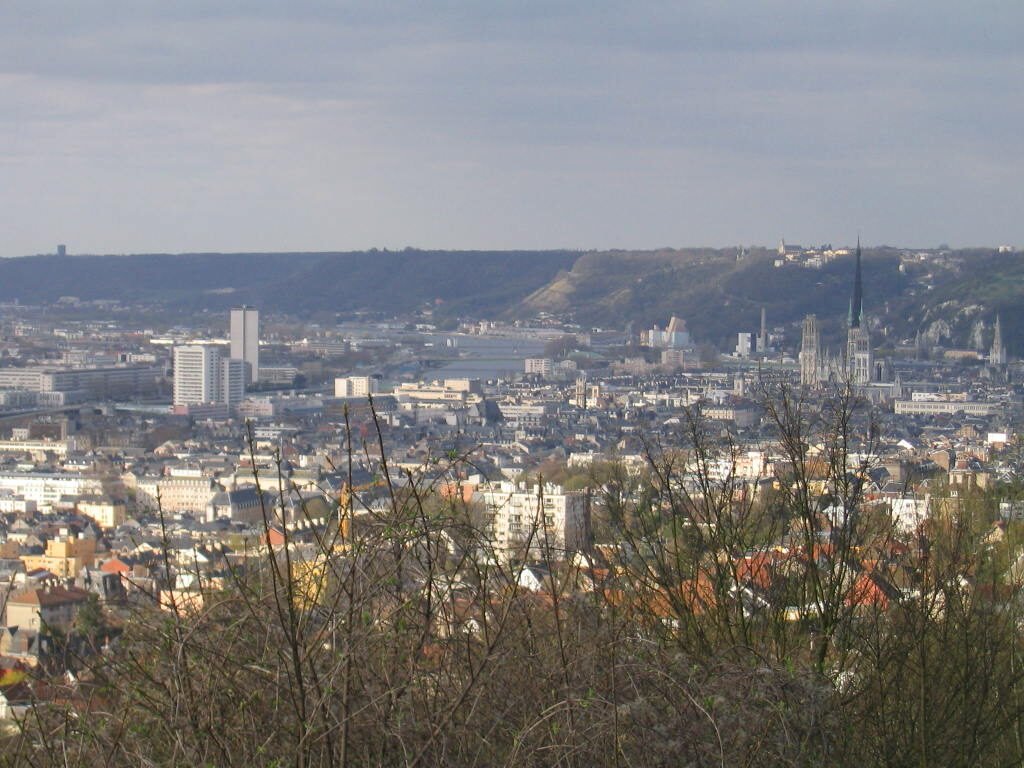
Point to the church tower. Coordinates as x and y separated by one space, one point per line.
810 353
997 354
858 339
857 300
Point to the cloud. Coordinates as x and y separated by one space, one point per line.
260 125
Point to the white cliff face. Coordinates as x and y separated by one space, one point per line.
948 322
978 335
936 331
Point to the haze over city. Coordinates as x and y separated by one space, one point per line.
164 127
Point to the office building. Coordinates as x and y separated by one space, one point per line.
232 381
97 383
245 339
744 344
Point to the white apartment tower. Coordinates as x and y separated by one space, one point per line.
196 374
245 338
202 376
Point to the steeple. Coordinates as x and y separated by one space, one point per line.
810 353
997 354
857 301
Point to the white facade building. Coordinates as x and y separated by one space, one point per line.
175 494
45 488
908 513
355 386
675 336
744 344
933 407
202 376
196 374
542 366
551 521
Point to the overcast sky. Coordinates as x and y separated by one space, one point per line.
197 125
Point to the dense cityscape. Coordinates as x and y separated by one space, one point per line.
480 385
154 468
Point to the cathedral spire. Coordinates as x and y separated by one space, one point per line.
997 354
857 300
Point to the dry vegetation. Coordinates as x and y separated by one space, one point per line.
404 641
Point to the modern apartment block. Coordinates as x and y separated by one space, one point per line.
542 366
196 374
355 386
202 376
83 383
533 522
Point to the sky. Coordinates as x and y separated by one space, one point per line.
134 126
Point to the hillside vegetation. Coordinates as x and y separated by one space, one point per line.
455 282
714 290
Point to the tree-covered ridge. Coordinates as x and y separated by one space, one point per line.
718 292
393 282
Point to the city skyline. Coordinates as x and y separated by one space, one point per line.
132 129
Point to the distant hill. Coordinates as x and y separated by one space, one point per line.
456 282
952 298
716 293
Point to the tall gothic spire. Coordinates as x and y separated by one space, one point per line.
997 355
857 301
